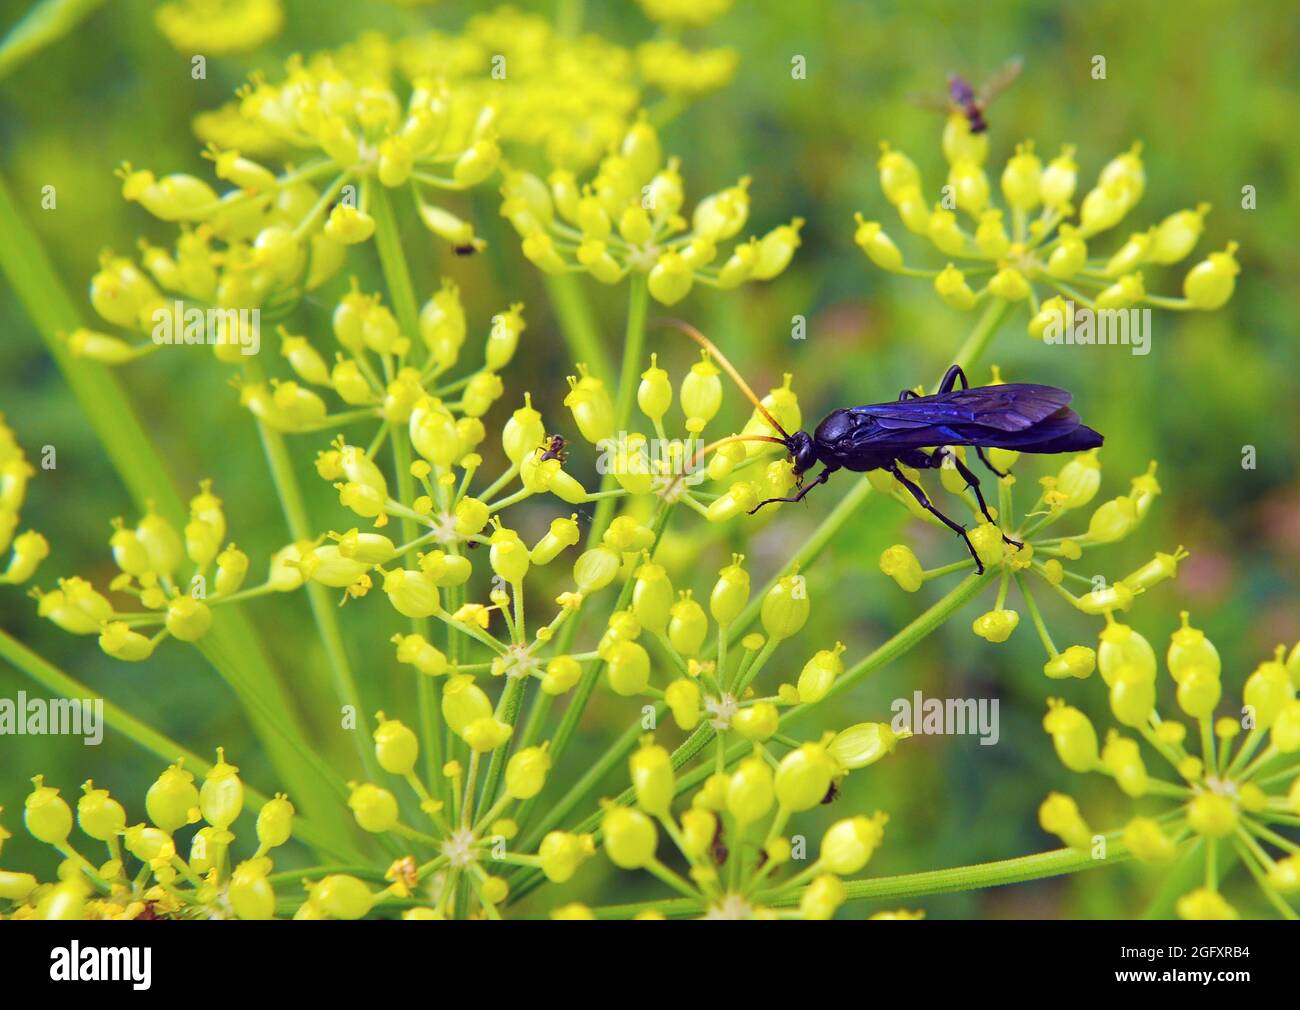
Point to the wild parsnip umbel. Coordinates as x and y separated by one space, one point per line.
1041 248
514 581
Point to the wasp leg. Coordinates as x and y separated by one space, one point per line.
909 394
926 504
821 478
985 460
950 378
973 483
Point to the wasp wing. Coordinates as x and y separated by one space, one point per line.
1010 416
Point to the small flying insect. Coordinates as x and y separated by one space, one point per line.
919 431
464 250
963 100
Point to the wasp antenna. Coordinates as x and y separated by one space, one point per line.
727 367
712 446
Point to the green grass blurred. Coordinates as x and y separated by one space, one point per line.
1209 88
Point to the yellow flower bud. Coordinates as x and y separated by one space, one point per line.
341 897
655 394
900 564
250 893
950 285
1122 758
1070 255
275 822
1132 696
1204 903
996 625
756 722
396 746
562 674
803 778
822 897
1210 283
222 797
652 778
849 844
1010 284
1147 841
630 837
596 568
98 814
627 665
898 173
526 772
1022 178
1076 661
1268 690
652 597
1072 735
671 278
173 800
563 533
878 246
786 606
683 699
1059 814
463 702
1176 236
1059 179
1212 814
863 744
561 853
188 619
819 673
991 235
750 790
687 625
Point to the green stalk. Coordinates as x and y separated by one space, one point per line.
161 746
44 24
232 646
1055 863
397 278
577 323
323 610
982 335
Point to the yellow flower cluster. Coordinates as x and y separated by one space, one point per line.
219 27
1226 793
742 864
164 884
629 219
1041 240
149 557
29 548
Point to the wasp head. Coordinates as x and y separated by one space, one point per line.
803 450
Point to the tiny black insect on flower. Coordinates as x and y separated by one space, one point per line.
1023 417
554 447
465 250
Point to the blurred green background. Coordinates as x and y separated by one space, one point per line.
1211 90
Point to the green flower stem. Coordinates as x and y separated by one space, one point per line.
53 679
638 300
1054 863
45 23
980 337
323 610
397 278
512 699
578 324
232 646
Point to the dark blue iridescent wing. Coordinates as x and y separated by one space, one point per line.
1011 406
1021 416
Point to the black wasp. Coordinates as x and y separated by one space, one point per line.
918 431
966 101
